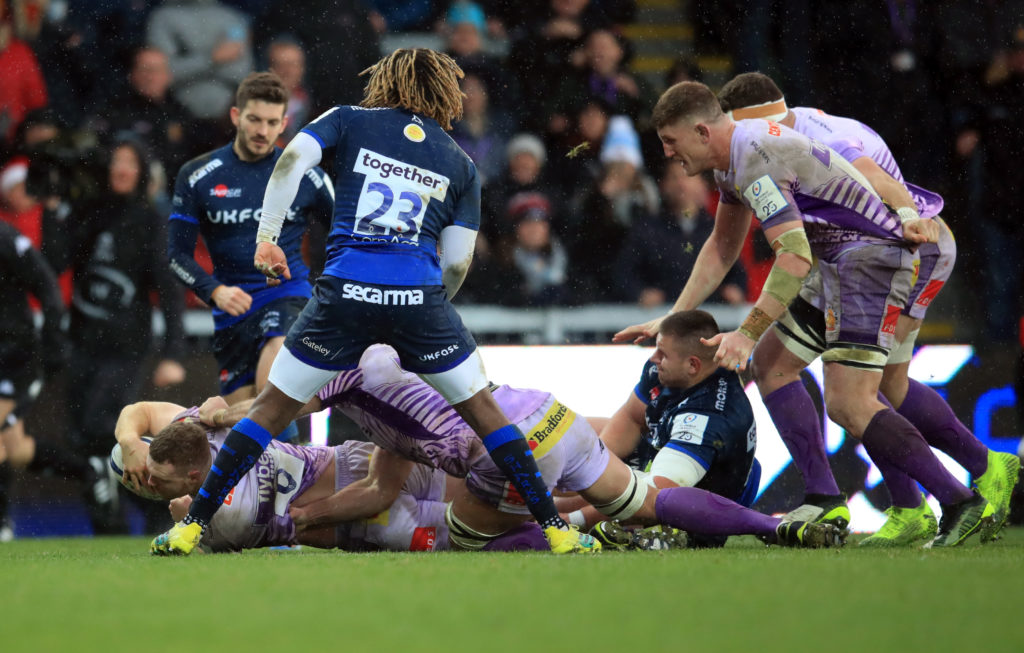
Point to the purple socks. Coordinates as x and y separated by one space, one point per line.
700 511
932 416
525 537
891 439
799 424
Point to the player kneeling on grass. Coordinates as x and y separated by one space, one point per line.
173 464
404 415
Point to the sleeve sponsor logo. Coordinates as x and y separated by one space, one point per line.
689 428
194 178
550 428
423 538
764 198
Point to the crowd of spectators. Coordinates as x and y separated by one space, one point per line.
578 206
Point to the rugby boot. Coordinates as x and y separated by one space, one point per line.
659 538
808 535
568 541
182 539
961 520
612 535
996 485
823 509
905 526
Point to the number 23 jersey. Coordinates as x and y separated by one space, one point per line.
400 180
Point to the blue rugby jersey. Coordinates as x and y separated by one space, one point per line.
400 180
712 422
221 197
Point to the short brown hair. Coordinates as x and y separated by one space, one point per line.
182 444
265 86
690 100
417 79
688 327
748 89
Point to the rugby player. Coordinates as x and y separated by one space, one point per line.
401 414
812 202
218 195
404 189
688 422
797 339
174 462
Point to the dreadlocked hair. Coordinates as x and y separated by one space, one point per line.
420 80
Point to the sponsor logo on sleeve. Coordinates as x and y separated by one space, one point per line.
423 538
199 173
550 428
689 428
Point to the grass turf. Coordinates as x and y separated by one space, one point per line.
109 594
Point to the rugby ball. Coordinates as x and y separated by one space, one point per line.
117 468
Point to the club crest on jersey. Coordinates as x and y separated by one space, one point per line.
221 190
414 133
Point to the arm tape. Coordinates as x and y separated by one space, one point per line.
756 324
782 284
907 213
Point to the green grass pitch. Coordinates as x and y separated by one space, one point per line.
108 594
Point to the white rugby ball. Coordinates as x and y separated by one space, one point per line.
117 467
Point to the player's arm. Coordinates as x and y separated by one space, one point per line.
718 254
302 154
216 412
457 245
362 499
915 228
791 266
622 432
182 232
136 420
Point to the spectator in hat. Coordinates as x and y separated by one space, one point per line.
525 157
536 262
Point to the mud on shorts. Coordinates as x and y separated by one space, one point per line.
568 452
237 347
859 297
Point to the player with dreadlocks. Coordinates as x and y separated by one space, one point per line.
403 188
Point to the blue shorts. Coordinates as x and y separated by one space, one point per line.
345 317
237 347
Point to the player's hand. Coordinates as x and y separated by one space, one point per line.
271 262
733 349
299 517
639 332
134 456
208 411
168 372
232 300
179 507
921 231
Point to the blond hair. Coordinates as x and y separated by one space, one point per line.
420 80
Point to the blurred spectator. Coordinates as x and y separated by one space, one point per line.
286 58
21 81
583 147
526 157
604 76
208 47
621 195
542 52
79 69
661 249
332 72
464 28
149 113
537 263
116 248
481 133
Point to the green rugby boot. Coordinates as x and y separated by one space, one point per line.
961 520
996 485
904 527
809 535
823 509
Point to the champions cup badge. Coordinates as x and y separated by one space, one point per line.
414 133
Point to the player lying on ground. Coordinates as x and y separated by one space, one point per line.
174 462
687 423
798 338
404 415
